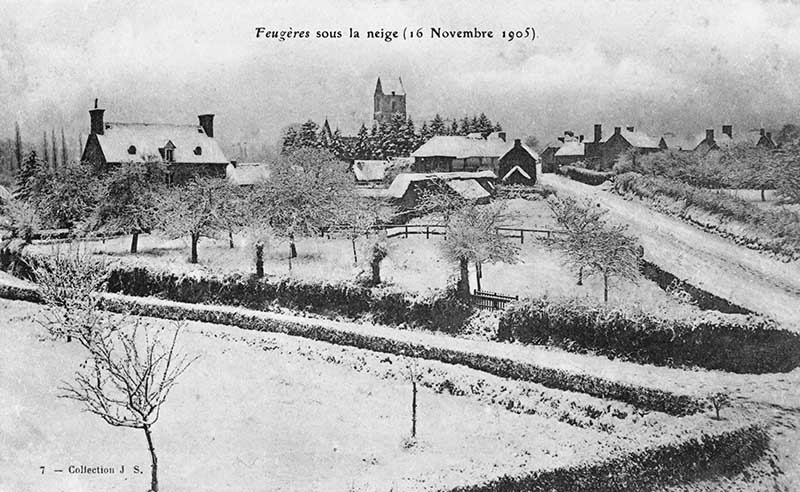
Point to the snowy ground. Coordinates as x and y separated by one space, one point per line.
743 276
414 264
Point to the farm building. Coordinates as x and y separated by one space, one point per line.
369 171
407 188
248 173
452 153
518 165
188 150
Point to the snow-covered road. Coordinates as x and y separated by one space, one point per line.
717 265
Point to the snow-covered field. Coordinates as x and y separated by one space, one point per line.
745 277
414 264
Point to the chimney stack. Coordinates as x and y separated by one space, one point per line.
762 132
630 129
769 135
617 130
207 122
96 116
517 142
580 138
710 134
501 136
598 133
728 130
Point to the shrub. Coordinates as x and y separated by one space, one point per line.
756 346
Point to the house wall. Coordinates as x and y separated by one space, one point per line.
518 156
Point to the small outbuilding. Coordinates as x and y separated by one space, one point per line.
518 165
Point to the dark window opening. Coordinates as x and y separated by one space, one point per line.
132 150
198 150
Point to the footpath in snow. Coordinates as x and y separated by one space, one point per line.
715 264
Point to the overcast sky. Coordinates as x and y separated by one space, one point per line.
661 66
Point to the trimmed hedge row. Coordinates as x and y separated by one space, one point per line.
586 176
705 300
645 398
756 347
710 455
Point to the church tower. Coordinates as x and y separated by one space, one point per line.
386 104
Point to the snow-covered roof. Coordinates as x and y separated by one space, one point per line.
369 170
468 188
529 150
571 149
248 173
460 147
516 169
401 182
675 142
639 139
138 142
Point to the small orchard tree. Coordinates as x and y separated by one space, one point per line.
593 247
360 216
234 212
748 167
127 378
71 287
20 220
303 194
719 401
788 185
128 200
67 196
193 210
471 236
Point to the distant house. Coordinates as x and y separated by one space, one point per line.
603 153
407 188
518 165
248 173
369 171
188 150
570 153
452 153
753 138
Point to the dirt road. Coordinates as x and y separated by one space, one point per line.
745 277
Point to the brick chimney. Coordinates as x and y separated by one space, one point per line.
761 132
617 130
710 134
96 117
728 130
769 136
517 142
598 132
629 128
580 138
207 122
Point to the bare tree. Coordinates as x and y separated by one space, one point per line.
192 210
593 247
127 379
360 216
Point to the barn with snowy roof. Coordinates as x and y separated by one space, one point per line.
188 150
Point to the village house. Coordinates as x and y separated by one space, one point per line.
369 172
188 150
602 154
455 153
752 138
407 188
518 165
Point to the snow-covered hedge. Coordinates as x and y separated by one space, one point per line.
681 461
776 231
753 346
586 176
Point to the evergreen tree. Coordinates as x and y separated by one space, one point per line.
45 157
53 146
289 141
410 138
64 153
17 147
454 128
437 126
498 127
424 133
28 176
464 126
484 125
375 142
362 149
308 136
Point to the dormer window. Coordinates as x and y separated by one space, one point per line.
198 150
132 150
200 130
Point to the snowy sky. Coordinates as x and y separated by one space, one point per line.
661 66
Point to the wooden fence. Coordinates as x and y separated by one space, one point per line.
491 300
429 230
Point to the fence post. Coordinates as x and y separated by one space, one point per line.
406 228
427 232
521 236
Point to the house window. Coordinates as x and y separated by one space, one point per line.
394 106
169 155
198 150
132 150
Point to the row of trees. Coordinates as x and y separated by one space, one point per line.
396 138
